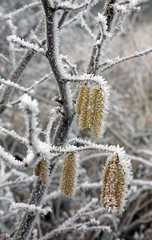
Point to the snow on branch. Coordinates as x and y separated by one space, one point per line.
11 84
90 78
18 11
10 160
13 134
101 19
17 182
30 208
23 43
53 116
70 221
120 60
31 111
75 7
86 27
72 66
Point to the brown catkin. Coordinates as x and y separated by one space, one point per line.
80 99
69 175
44 171
114 186
41 171
37 170
91 107
84 107
98 114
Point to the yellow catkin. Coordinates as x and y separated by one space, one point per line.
44 171
69 175
91 107
114 186
41 171
84 107
80 99
98 114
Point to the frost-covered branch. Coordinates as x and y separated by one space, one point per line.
70 221
14 135
29 207
18 11
15 75
25 44
120 60
75 7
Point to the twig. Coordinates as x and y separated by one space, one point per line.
115 62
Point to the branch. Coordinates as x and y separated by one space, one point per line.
23 43
13 134
75 7
30 208
15 75
70 221
14 78
18 11
120 60
52 54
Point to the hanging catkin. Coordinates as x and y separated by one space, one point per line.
80 99
37 169
115 185
69 175
97 124
84 107
91 107
41 170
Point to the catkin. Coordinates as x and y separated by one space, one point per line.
98 114
80 99
114 186
41 170
69 174
91 107
84 107
37 169
44 171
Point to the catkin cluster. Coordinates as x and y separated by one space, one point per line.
115 185
90 108
69 175
41 171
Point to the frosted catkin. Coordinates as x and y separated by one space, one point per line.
80 99
69 175
114 186
41 171
37 169
92 107
44 171
98 114
84 107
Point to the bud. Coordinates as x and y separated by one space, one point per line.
41 170
69 175
84 107
99 113
92 107
115 184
